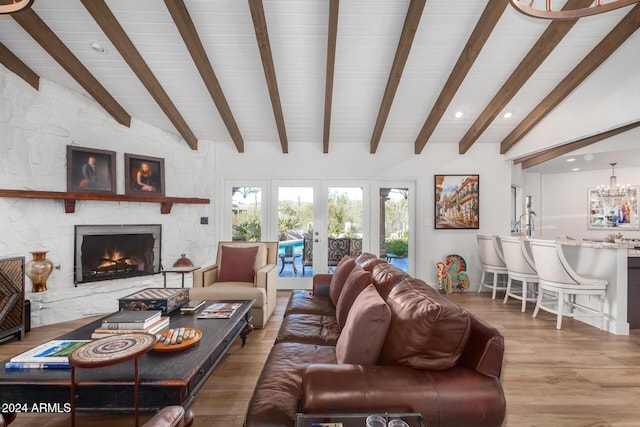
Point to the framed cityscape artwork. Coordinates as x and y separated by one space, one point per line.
90 170
143 175
457 201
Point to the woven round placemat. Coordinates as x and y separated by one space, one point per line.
113 349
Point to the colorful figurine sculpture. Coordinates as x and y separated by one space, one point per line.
444 281
457 271
452 274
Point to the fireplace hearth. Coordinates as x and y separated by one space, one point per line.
105 252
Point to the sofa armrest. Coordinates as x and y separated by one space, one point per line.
205 276
484 351
321 284
366 389
171 416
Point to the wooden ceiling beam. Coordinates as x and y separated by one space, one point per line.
411 22
190 36
552 153
612 41
543 47
331 62
262 37
103 16
50 42
15 65
483 29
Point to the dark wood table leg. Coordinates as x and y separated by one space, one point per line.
246 331
73 396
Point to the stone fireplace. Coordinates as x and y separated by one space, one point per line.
106 252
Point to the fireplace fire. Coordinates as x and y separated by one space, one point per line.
104 252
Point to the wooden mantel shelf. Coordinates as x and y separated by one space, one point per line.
166 203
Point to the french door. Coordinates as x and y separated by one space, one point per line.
316 223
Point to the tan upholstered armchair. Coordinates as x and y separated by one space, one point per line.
242 270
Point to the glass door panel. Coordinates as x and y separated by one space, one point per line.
295 231
394 226
246 214
345 223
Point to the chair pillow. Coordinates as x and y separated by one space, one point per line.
361 340
357 280
238 264
338 278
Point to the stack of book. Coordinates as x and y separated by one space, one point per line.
131 322
53 354
219 310
192 306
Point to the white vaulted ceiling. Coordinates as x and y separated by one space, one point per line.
369 34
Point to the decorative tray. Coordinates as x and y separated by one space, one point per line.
178 338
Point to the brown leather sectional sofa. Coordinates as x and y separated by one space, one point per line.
417 352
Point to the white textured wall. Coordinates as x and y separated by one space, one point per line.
35 128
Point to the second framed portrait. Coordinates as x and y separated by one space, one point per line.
143 175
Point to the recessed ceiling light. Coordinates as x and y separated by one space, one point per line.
575 169
588 157
571 159
507 115
97 47
458 114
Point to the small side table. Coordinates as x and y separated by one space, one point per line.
106 352
289 259
180 270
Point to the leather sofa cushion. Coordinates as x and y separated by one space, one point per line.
306 302
278 393
357 280
385 276
454 397
343 269
309 329
364 332
238 264
368 260
426 331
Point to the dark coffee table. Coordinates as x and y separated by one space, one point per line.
166 378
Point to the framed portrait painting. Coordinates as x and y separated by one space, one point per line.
90 170
457 201
143 175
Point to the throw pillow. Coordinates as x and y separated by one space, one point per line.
357 280
427 331
361 340
343 269
238 264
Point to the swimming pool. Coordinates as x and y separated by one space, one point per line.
297 245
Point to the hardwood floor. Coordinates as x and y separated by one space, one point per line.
578 376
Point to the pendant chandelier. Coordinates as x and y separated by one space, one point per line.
599 6
614 192
12 6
